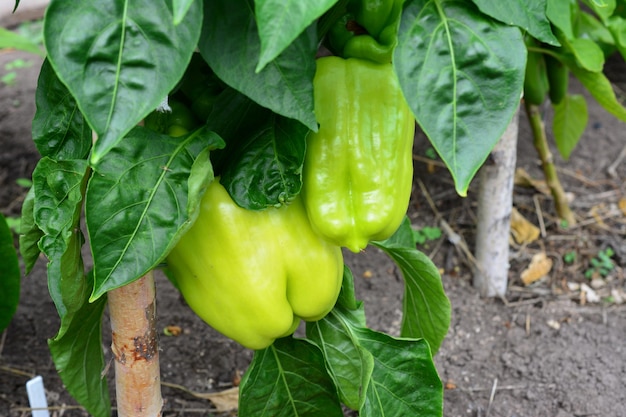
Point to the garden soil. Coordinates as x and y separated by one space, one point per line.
545 350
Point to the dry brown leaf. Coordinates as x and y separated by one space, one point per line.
223 401
539 267
522 230
523 179
622 205
226 400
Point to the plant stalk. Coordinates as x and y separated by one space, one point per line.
132 309
540 142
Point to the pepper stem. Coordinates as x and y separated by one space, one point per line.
540 142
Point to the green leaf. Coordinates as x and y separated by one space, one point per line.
58 202
347 297
281 22
118 58
141 199
617 27
59 129
181 8
462 75
426 309
9 275
231 45
529 15
349 364
30 234
79 358
587 26
559 13
267 170
288 379
588 54
603 8
569 123
404 380
9 39
600 88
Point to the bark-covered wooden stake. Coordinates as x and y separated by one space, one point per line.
135 348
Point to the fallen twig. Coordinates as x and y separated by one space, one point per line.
612 169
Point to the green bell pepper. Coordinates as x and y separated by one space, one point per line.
252 275
368 30
358 168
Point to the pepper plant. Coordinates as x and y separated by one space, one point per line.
119 148
588 31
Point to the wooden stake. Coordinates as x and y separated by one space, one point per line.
495 202
135 348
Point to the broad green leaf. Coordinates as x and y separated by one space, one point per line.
59 129
58 202
603 8
266 170
181 8
569 123
29 232
141 198
600 88
347 297
231 45
235 118
587 26
529 15
588 54
617 27
426 309
118 58
10 39
79 359
404 380
281 22
9 275
348 362
288 379
559 13
462 75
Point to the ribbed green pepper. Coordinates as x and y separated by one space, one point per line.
358 168
252 275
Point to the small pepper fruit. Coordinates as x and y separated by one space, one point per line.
177 122
358 168
368 30
252 275
536 83
558 79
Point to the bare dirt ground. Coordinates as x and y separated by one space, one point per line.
543 351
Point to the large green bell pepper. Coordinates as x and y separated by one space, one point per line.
252 275
358 169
